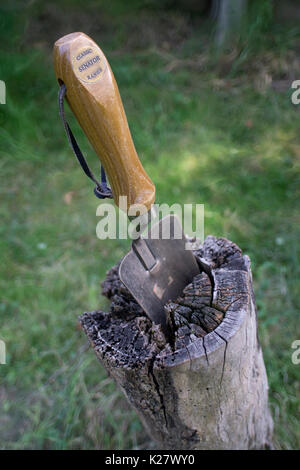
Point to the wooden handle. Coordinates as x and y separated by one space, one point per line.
93 96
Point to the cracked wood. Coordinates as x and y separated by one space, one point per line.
207 387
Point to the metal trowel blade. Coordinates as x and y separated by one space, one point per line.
156 270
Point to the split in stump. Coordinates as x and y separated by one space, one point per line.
206 387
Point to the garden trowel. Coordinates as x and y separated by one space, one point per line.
158 266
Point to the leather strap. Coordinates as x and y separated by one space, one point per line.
101 190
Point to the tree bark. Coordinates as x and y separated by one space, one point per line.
207 387
230 15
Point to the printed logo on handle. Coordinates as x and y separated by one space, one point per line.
87 63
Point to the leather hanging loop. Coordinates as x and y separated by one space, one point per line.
101 190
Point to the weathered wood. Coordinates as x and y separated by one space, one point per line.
207 388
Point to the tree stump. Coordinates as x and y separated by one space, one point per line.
206 388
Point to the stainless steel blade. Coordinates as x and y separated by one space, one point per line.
156 269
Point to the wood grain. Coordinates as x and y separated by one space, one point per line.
210 392
93 96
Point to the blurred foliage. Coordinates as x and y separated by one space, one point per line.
260 16
214 130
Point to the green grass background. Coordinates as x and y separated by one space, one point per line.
208 129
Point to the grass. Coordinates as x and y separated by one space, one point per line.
206 132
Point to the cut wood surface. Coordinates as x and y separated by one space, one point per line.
206 388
